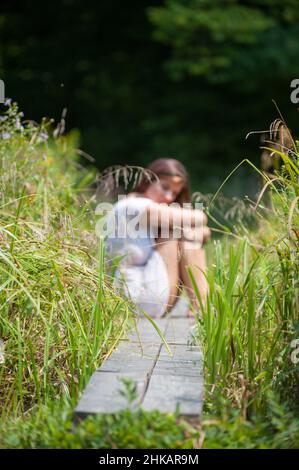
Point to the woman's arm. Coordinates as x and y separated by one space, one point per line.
158 214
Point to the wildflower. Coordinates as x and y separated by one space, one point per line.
7 102
42 136
2 357
19 126
5 135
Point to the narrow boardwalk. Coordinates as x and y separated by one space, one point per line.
162 382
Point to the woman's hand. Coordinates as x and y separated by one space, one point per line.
200 236
206 234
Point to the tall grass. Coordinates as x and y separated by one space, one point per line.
251 316
59 318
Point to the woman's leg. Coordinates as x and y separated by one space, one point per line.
179 255
169 250
194 258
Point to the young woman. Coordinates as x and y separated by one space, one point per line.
155 262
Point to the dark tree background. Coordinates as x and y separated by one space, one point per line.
148 78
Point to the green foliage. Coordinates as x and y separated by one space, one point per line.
251 316
209 38
101 61
276 428
59 317
53 428
130 390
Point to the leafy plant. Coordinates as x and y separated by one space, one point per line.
59 316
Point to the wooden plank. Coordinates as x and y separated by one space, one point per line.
179 330
131 360
103 393
131 356
177 381
162 381
168 393
146 333
183 353
180 308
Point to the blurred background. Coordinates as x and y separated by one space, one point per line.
157 78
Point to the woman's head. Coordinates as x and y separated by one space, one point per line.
169 183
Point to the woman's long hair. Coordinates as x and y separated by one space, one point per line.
167 167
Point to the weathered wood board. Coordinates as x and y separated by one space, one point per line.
162 381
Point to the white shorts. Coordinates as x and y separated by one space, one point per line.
147 286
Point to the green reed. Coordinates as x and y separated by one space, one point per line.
249 319
59 318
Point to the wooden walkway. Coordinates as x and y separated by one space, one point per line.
162 381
